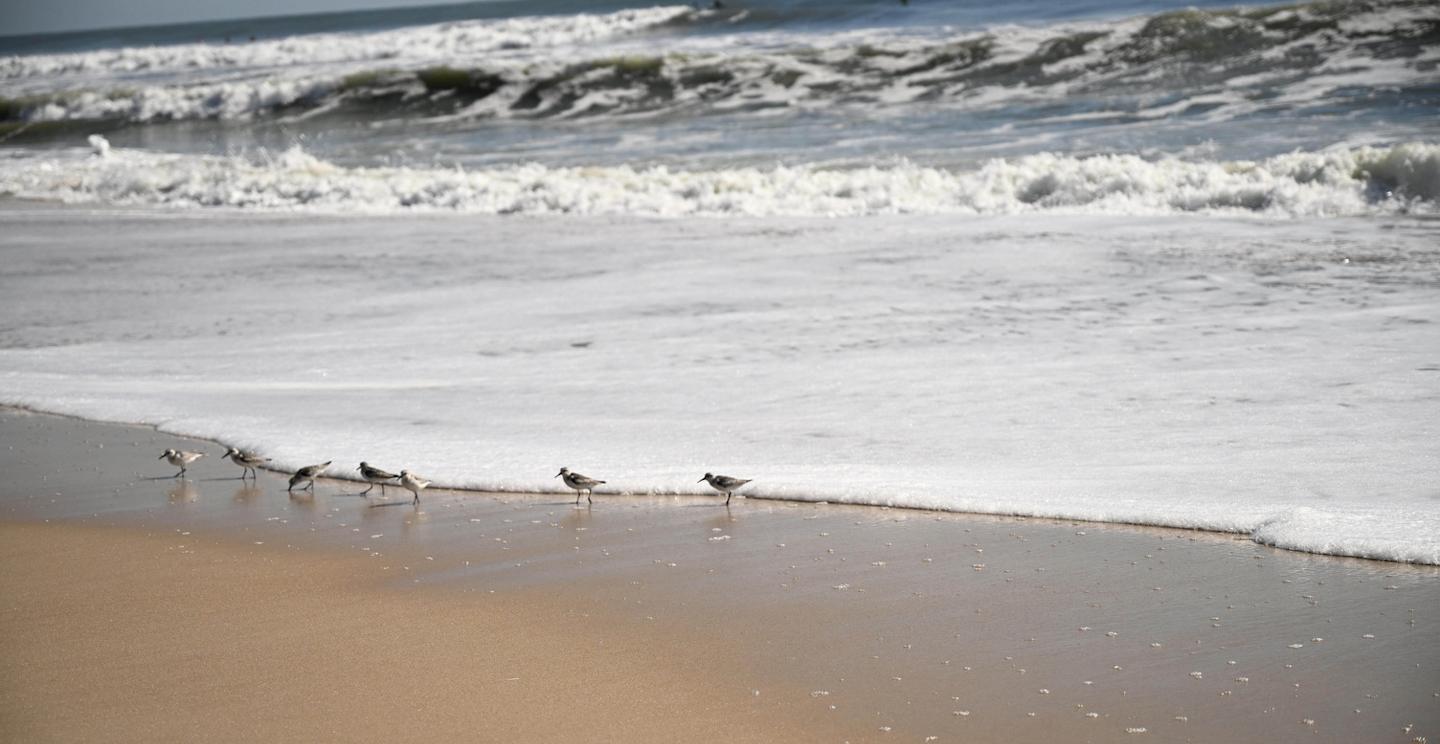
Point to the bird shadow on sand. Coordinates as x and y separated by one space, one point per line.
352 494
164 478
392 503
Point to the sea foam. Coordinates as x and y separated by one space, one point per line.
461 40
1208 65
1267 378
1356 181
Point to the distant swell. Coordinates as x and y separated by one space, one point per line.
1359 181
1193 62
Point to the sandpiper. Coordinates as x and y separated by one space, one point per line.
180 459
581 483
374 476
247 460
724 484
307 475
413 483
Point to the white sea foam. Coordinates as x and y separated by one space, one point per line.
565 67
1274 379
452 42
1356 181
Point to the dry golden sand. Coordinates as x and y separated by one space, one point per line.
137 607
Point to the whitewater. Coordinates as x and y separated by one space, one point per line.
1403 179
1275 380
1125 263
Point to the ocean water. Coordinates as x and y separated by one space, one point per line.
1124 261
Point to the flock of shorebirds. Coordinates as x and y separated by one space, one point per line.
583 485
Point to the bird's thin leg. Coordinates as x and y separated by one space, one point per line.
371 488
727 498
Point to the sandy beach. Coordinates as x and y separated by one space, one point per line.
1079 359
139 607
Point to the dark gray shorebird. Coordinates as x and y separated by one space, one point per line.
307 475
376 476
724 484
247 460
180 459
581 483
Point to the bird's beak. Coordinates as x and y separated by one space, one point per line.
557 475
702 480
161 457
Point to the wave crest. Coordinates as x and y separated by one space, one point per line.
1359 181
1203 63
456 40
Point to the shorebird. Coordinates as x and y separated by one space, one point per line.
581 483
374 476
308 474
413 483
180 459
724 484
247 460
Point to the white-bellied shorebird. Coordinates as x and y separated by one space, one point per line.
247 460
724 484
180 459
413 483
307 475
375 476
581 483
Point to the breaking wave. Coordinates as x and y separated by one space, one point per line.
460 40
1184 62
1357 181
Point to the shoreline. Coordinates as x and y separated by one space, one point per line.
1250 535
853 624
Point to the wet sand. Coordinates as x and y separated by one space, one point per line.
139 607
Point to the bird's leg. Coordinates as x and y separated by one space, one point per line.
371 488
588 500
727 498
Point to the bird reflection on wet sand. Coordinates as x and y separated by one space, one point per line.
184 492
